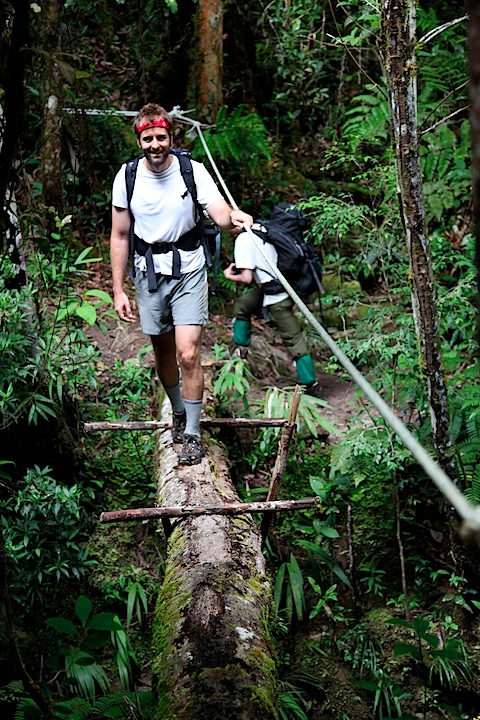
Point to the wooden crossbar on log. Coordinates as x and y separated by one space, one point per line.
229 509
281 460
206 422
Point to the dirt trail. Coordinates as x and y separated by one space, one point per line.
269 363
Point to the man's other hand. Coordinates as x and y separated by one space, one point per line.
122 307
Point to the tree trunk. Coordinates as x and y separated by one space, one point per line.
11 122
212 655
210 58
473 9
399 27
51 149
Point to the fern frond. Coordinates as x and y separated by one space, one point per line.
241 137
472 425
368 119
472 493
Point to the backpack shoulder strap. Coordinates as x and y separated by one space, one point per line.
186 170
130 175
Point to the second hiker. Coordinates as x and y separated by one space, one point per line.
169 260
251 267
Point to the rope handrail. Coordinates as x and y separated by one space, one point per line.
469 513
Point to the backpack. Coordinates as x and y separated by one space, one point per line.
297 259
209 233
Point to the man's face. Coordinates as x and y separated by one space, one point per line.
156 144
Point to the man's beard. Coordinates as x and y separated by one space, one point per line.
158 160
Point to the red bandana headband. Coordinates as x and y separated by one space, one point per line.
154 123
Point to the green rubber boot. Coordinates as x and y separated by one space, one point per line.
242 332
305 370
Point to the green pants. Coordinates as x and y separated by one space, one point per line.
281 316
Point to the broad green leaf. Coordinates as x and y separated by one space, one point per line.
398 621
318 487
432 640
83 608
366 685
407 649
104 621
86 676
62 625
87 312
420 625
84 660
100 294
329 531
136 595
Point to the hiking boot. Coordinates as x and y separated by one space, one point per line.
314 389
192 450
179 422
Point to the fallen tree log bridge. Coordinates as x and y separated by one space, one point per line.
212 654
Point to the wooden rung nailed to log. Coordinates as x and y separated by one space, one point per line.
281 460
229 509
206 422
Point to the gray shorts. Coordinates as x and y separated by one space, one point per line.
176 302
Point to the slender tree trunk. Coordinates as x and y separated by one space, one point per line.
210 55
401 554
51 150
399 28
473 9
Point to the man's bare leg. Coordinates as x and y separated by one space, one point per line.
188 344
187 340
179 352
182 343
167 370
166 358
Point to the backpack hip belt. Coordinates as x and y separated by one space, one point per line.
188 241
273 287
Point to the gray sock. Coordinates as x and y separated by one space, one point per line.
175 396
193 408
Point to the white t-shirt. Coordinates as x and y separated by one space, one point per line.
247 256
163 210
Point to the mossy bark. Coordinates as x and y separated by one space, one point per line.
399 37
53 95
212 654
209 34
473 10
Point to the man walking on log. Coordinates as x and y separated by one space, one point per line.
169 265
